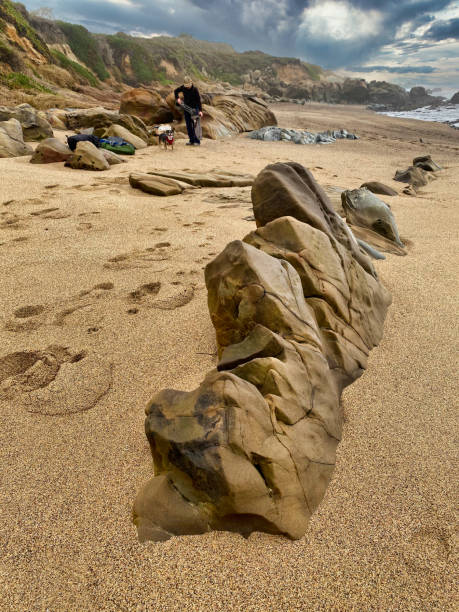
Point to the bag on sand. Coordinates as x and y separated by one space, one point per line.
72 141
117 145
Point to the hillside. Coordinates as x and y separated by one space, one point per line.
63 64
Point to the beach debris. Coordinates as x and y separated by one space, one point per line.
33 122
253 447
364 209
274 134
379 188
49 151
87 157
12 141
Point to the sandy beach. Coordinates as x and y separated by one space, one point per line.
81 256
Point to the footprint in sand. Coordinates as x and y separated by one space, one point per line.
50 213
163 297
55 381
84 226
10 220
140 259
84 308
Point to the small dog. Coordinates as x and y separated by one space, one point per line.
167 139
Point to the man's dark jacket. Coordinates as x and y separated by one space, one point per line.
191 96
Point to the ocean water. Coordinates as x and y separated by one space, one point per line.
442 114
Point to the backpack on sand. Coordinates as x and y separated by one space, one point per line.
117 145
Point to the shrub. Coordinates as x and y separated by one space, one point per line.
72 66
85 47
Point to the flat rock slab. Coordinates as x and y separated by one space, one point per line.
380 188
211 179
158 185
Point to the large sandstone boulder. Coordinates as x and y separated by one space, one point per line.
87 157
34 126
125 134
229 115
253 448
101 118
11 140
366 210
148 105
49 151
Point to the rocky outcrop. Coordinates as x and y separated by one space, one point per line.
377 187
87 157
364 209
49 151
229 115
296 315
276 134
455 98
100 119
34 126
147 105
12 141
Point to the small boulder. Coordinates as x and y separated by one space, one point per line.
380 188
413 176
11 140
122 132
34 126
49 151
426 163
364 209
87 157
410 190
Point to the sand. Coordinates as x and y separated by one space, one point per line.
73 457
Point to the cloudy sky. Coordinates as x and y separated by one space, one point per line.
409 42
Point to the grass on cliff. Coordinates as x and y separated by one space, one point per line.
85 47
145 68
72 66
10 12
19 80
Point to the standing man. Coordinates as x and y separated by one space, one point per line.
191 105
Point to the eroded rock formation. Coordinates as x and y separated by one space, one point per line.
297 307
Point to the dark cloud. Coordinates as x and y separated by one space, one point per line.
370 31
395 69
443 30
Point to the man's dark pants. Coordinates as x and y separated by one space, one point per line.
190 129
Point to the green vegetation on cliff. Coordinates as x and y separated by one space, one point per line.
18 80
72 66
85 47
13 13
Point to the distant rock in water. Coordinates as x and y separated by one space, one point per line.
455 98
275 134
